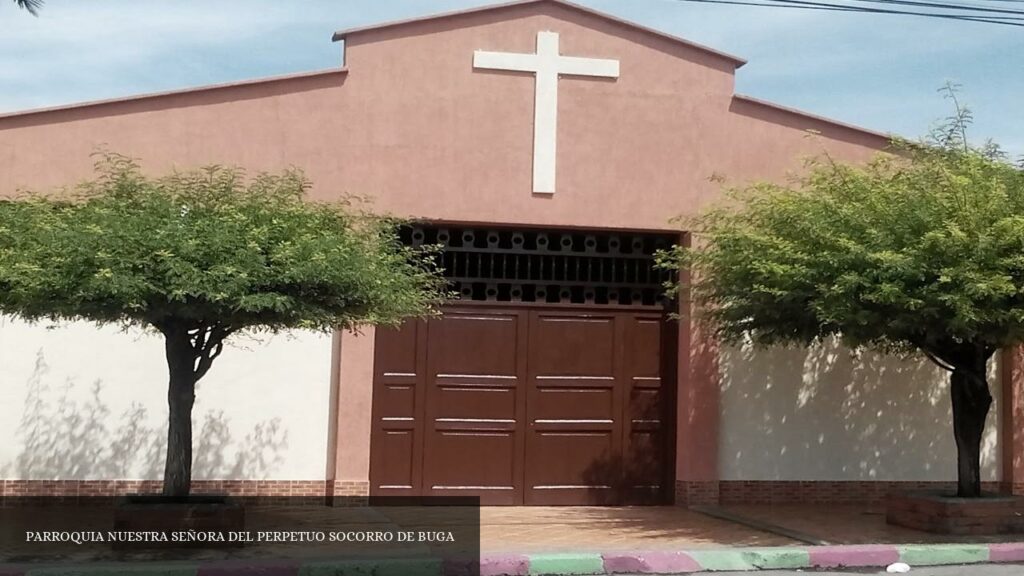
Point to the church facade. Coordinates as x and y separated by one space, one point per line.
548 148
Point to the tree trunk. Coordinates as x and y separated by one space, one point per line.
180 398
971 403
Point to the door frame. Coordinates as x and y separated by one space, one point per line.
669 374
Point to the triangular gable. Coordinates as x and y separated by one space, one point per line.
344 34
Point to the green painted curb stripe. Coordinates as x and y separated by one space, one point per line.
934 555
752 559
777 558
565 564
722 560
115 571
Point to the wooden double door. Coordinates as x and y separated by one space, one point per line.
542 406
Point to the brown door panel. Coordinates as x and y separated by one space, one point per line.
397 422
473 414
524 406
644 418
574 407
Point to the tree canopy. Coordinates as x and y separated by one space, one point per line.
199 256
207 247
919 250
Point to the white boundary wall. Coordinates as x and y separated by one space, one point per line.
825 413
83 403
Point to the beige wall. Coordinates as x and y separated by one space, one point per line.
80 402
826 414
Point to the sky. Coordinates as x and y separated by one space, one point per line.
878 71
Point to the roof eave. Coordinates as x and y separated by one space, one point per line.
816 117
172 93
343 34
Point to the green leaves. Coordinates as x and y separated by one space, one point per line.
204 248
923 245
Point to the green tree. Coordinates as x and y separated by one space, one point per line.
201 256
919 251
32 6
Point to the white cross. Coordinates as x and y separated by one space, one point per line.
546 64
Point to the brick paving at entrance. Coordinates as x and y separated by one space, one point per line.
505 529
849 524
527 529
553 530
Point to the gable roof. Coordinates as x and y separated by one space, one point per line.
26 117
283 78
735 60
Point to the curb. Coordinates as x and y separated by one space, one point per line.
575 563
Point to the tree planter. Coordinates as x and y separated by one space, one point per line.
209 514
942 513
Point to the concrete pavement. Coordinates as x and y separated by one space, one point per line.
597 541
973 570
862 558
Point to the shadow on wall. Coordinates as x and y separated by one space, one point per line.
67 434
827 413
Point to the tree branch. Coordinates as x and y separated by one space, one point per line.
934 357
199 337
213 339
206 360
938 361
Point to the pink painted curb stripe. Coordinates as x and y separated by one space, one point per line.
649 563
1008 552
866 555
508 564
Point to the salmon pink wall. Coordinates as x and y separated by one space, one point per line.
411 124
350 459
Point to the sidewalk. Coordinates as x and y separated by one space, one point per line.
520 541
666 540
525 529
575 563
850 524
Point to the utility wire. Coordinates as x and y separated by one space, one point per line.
807 5
875 10
942 6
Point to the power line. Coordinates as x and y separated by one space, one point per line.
873 10
808 5
826 6
943 6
